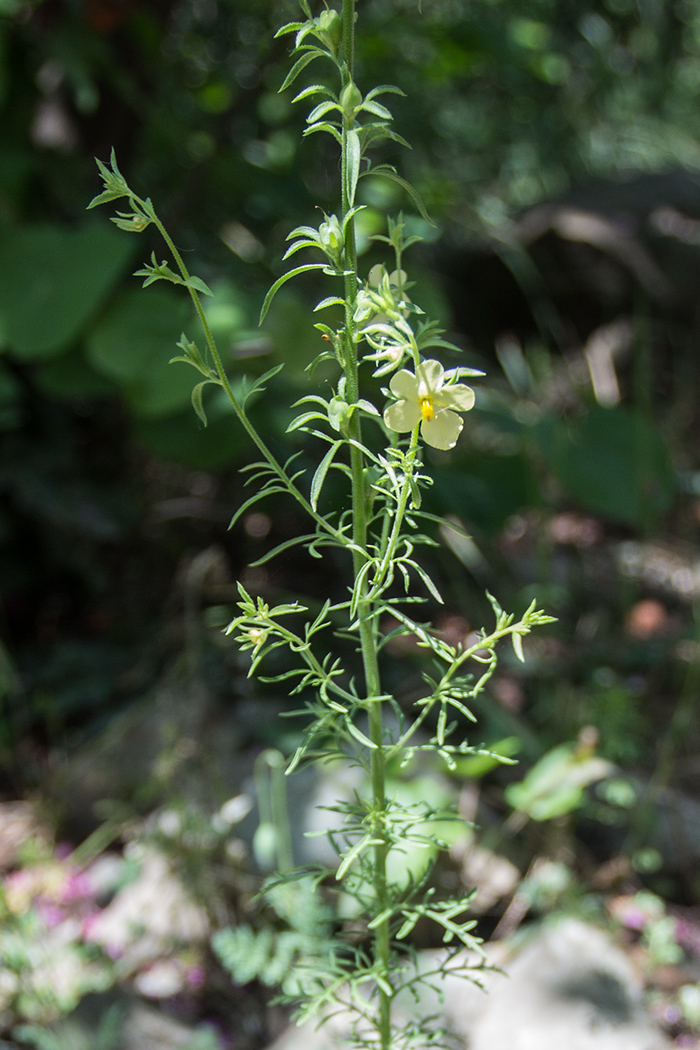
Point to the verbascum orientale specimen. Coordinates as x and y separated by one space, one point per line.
378 451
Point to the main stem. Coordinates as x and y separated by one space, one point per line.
365 607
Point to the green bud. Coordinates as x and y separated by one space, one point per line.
331 233
331 29
350 99
339 413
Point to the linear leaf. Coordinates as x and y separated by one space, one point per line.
428 582
314 89
258 385
377 109
303 419
282 280
298 245
354 156
299 65
391 173
267 491
197 400
325 126
287 545
354 731
320 111
383 89
321 471
290 27
353 854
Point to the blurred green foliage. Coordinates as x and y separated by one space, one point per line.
509 105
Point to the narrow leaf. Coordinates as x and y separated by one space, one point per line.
198 285
354 731
290 27
282 547
390 173
197 400
303 419
320 111
428 582
321 471
384 89
354 156
353 855
325 126
282 280
314 89
299 65
105 197
267 491
377 109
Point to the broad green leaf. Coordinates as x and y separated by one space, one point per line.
71 376
52 282
554 786
133 343
180 439
613 463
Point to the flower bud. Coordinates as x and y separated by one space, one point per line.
331 29
350 99
339 412
331 233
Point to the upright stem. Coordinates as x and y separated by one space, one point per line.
365 607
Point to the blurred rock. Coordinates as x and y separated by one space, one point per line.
568 988
117 1019
19 826
492 876
149 916
149 1029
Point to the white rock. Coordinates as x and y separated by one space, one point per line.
569 988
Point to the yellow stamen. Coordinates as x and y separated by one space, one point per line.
427 409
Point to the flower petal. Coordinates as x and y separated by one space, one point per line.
404 384
442 431
403 415
430 374
459 396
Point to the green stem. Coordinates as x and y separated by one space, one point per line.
367 631
394 537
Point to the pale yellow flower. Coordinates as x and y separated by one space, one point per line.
429 398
